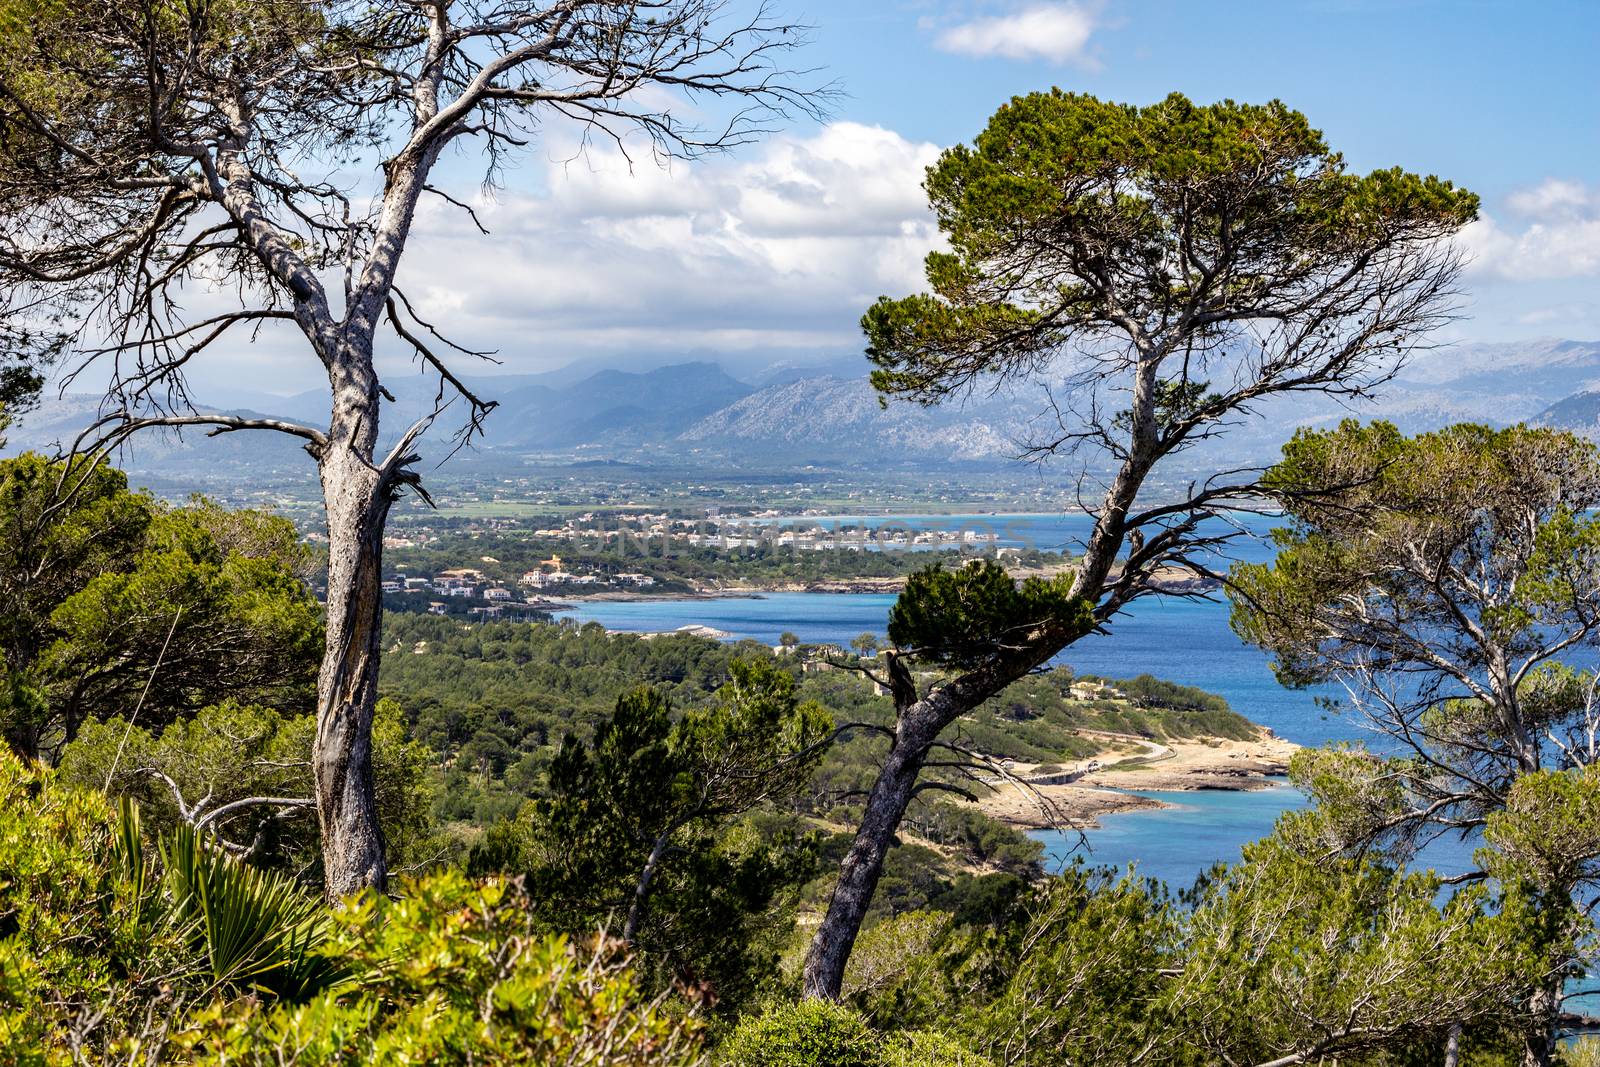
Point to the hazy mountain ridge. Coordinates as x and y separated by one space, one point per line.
1579 413
842 417
784 415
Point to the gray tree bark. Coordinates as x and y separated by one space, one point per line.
1452 1047
1539 1046
357 501
641 890
863 864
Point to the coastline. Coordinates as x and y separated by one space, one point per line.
1170 579
1189 764
1071 795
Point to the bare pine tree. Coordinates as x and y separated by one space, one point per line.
156 150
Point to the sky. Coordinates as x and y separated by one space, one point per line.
769 255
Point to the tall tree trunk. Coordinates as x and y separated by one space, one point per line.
863 864
1452 1047
357 503
641 890
1539 1045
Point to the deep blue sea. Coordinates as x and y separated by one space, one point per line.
1184 641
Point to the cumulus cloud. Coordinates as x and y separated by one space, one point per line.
1551 231
778 252
1057 32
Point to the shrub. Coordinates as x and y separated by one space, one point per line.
258 929
452 972
81 936
924 1048
818 1033
104 960
812 1033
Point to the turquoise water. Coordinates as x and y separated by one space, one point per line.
1183 641
819 618
1201 829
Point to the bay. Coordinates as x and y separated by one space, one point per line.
1181 640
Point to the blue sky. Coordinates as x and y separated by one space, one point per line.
1498 95
771 255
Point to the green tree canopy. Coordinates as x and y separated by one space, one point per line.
105 584
964 616
640 827
1438 579
1076 221
19 386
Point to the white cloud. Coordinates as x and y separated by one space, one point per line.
1552 232
1553 197
778 252
1053 31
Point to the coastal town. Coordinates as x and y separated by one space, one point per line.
767 529
511 570
484 598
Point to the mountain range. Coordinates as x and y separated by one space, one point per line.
828 413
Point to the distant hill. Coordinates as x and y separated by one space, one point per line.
840 418
613 408
792 414
1579 412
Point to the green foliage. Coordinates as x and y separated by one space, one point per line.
19 387
105 959
1069 215
104 584
78 923
641 828
230 753
811 1033
1288 953
1375 516
257 928
886 953
928 1048
452 972
815 1033
1584 1052
978 839
1086 979
494 701
1548 833
963 617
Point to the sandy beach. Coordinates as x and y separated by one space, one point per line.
1213 763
